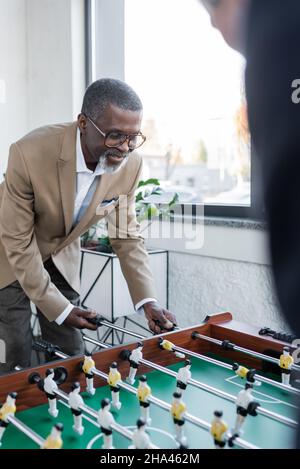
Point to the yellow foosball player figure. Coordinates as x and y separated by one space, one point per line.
113 379
170 347
8 409
178 409
219 430
286 362
88 368
245 373
143 393
54 440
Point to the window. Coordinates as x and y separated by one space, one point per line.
192 87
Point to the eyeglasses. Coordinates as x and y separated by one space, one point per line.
116 139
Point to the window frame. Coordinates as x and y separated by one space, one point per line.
95 11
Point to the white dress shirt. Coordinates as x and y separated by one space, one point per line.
85 178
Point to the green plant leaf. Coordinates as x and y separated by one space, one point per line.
152 211
152 181
104 240
139 197
174 200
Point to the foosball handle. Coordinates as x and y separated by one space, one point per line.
46 347
283 336
174 328
97 320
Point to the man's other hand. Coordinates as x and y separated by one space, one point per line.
78 318
159 319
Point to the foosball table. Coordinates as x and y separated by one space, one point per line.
218 384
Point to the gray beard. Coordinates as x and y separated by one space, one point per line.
109 169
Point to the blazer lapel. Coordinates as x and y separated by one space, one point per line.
67 175
102 188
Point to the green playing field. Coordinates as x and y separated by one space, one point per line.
260 430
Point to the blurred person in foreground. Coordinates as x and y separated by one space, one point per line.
267 33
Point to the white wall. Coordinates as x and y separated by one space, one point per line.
231 272
55 30
42 65
13 75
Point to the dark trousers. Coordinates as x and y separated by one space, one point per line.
15 317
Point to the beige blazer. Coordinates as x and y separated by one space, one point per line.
36 214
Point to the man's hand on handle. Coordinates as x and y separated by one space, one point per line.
78 318
159 319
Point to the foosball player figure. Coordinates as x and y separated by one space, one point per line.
50 387
219 430
245 405
143 393
54 440
178 409
88 368
113 379
183 446
75 401
183 376
170 347
286 362
134 359
8 409
140 438
245 373
105 420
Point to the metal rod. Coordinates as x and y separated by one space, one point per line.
26 430
95 342
121 329
246 351
258 377
93 413
261 378
215 391
162 404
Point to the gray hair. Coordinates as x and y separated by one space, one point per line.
109 91
213 3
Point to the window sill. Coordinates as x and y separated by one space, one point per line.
243 223
241 240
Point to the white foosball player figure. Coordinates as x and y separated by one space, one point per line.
7 410
245 405
113 379
143 393
75 401
50 387
178 409
140 438
286 362
54 440
134 360
170 347
218 430
183 375
88 369
105 420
